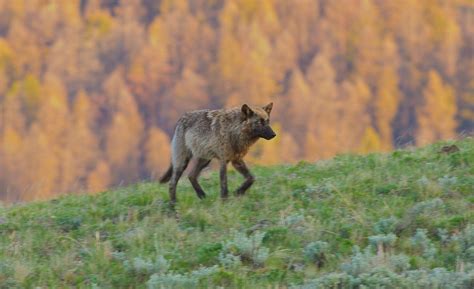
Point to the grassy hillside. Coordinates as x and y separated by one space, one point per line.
398 220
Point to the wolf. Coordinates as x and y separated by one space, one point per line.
223 134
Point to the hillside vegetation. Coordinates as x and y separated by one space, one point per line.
398 220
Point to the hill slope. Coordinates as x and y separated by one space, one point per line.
403 219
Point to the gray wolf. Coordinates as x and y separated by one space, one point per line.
223 134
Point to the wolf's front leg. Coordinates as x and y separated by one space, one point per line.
249 179
223 175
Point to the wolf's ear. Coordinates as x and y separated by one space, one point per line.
246 111
268 107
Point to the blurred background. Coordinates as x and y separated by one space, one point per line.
90 90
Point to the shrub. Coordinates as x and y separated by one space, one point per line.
244 248
293 220
365 261
175 280
465 248
208 253
443 235
229 260
331 280
147 266
382 242
421 241
439 278
171 281
446 182
6 276
386 226
427 207
366 270
316 252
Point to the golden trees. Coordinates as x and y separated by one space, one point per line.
6 64
298 104
99 178
107 80
157 152
12 129
46 143
282 149
354 118
466 107
244 68
444 34
11 148
370 141
321 137
386 105
436 117
386 98
125 132
188 93
81 141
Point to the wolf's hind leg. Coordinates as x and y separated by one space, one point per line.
223 177
194 174
180 157
241 167
177 173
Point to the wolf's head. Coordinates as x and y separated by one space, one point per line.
258 121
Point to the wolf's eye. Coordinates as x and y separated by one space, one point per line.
262 121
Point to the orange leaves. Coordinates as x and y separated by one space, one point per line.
436 117
157 152
90 90
99 178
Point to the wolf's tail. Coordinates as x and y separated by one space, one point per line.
167 176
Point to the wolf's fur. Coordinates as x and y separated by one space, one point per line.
223 134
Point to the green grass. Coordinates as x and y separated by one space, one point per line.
299 224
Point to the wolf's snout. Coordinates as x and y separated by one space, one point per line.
269 133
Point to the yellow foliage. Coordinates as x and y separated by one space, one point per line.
386 105
100 178
90 90
158 36
467 108
124 134
55 93
80 141
436 117
169 5
16 9
370 141
312 148
158 152
441 23
6 54
11 142
70 11
32 93
281 149
83 111
43 154
300 103
54 107
231 58
99 22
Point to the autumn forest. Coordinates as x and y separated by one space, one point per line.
90 90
